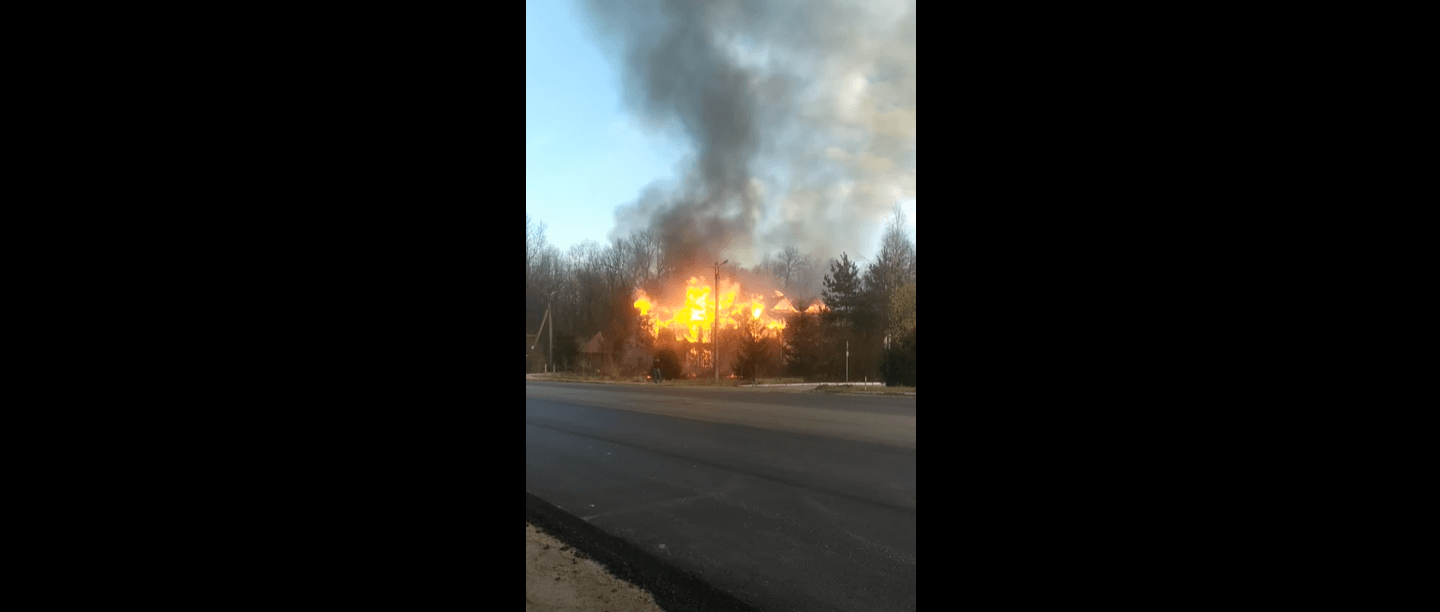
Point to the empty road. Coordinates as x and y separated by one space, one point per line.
785 501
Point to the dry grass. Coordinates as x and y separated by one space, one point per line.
680 382
732 383
866 389
590 378
728 382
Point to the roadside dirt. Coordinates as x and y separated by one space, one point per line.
557 580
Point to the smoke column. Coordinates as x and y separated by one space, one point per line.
800 115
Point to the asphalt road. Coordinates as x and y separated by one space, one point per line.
784 501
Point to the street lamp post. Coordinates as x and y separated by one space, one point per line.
715 335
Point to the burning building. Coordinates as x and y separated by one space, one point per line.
687 325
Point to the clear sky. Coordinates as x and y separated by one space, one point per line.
584 155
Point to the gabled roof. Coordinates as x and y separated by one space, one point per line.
593 346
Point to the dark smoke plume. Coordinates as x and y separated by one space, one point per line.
801 115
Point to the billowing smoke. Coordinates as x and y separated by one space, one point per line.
800 113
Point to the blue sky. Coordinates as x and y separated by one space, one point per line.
584 155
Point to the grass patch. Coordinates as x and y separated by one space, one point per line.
728 382
780 381
591 378
865 389
639 380
642 379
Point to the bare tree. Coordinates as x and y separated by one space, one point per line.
534 242
894 265
584 254
650 247
665 261
887 276
615 260
641 262
788 266
805 276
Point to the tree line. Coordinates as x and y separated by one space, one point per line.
590 288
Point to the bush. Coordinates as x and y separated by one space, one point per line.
566 352
669 364
900 360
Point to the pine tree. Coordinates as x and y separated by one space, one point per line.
754 351
843 290
843 324
802 347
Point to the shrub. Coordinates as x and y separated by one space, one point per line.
669 364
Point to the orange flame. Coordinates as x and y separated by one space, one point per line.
694 318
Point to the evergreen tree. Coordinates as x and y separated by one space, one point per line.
802 347
846 324
900 360
843 290
754 352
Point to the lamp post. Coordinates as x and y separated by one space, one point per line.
715 336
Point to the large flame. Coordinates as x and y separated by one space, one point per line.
693 319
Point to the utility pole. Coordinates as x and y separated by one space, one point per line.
847 361
715 337
543 321
550 353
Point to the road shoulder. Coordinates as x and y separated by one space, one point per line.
648 579
559 578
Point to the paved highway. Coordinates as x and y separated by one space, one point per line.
784 501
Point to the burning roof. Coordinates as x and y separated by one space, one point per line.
694 316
